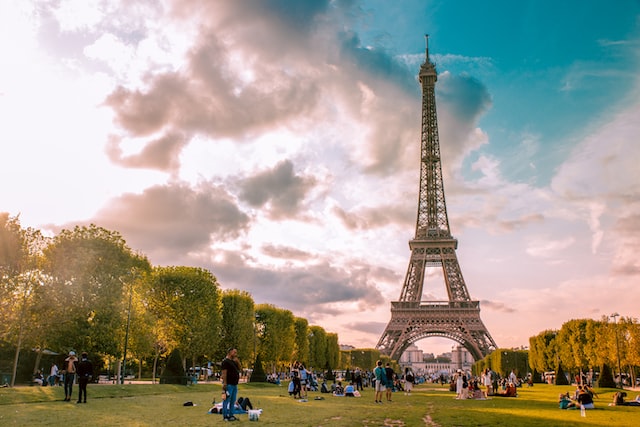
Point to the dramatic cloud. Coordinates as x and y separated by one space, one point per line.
278 191
276 143
172 220
311 289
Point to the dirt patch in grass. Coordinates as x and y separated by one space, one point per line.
427 417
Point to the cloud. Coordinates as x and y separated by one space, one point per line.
285 252
375 328
162 154
308 290
461 100
166 222
277 191
612 155
496 306
367 218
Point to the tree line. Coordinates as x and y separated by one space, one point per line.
86 290
582 345
579 347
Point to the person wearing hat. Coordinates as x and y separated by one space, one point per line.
459 384
70 364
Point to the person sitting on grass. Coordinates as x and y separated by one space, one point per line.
339 391
510 391
618 400
349 390
564 402
585 399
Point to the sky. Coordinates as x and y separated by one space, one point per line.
276 144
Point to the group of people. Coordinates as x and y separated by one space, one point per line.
468 387
385 381
350 390
82 369
74 369
582 398
300 381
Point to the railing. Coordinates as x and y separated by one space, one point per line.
434 305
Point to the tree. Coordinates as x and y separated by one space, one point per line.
186 302
542 351
364 358
88 268
237 328
301 351
143 336
632 337
21 287
276 333
333 349
318 347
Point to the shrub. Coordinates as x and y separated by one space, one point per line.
174 372
561 378
258 375
329 375
606 377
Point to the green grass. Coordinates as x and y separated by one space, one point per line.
429 405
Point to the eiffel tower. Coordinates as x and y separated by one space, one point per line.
433 246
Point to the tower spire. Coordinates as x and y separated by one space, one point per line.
426 41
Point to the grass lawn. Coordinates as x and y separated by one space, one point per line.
428 405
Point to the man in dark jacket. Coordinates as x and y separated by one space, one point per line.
85 372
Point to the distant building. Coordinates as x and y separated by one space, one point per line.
461 359
413 358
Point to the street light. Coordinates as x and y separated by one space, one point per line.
614 316
126 337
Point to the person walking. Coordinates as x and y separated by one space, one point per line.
230 378
70 364
408 381
85 372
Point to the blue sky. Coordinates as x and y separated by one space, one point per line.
546 64
275 143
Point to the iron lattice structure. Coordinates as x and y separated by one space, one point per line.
433 246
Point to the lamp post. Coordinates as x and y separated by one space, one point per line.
506 360
126 337
614 316
255 337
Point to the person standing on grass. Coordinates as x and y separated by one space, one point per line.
70 364
85 372
408 381
230 378
487 382
53 374
380 377
390 384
